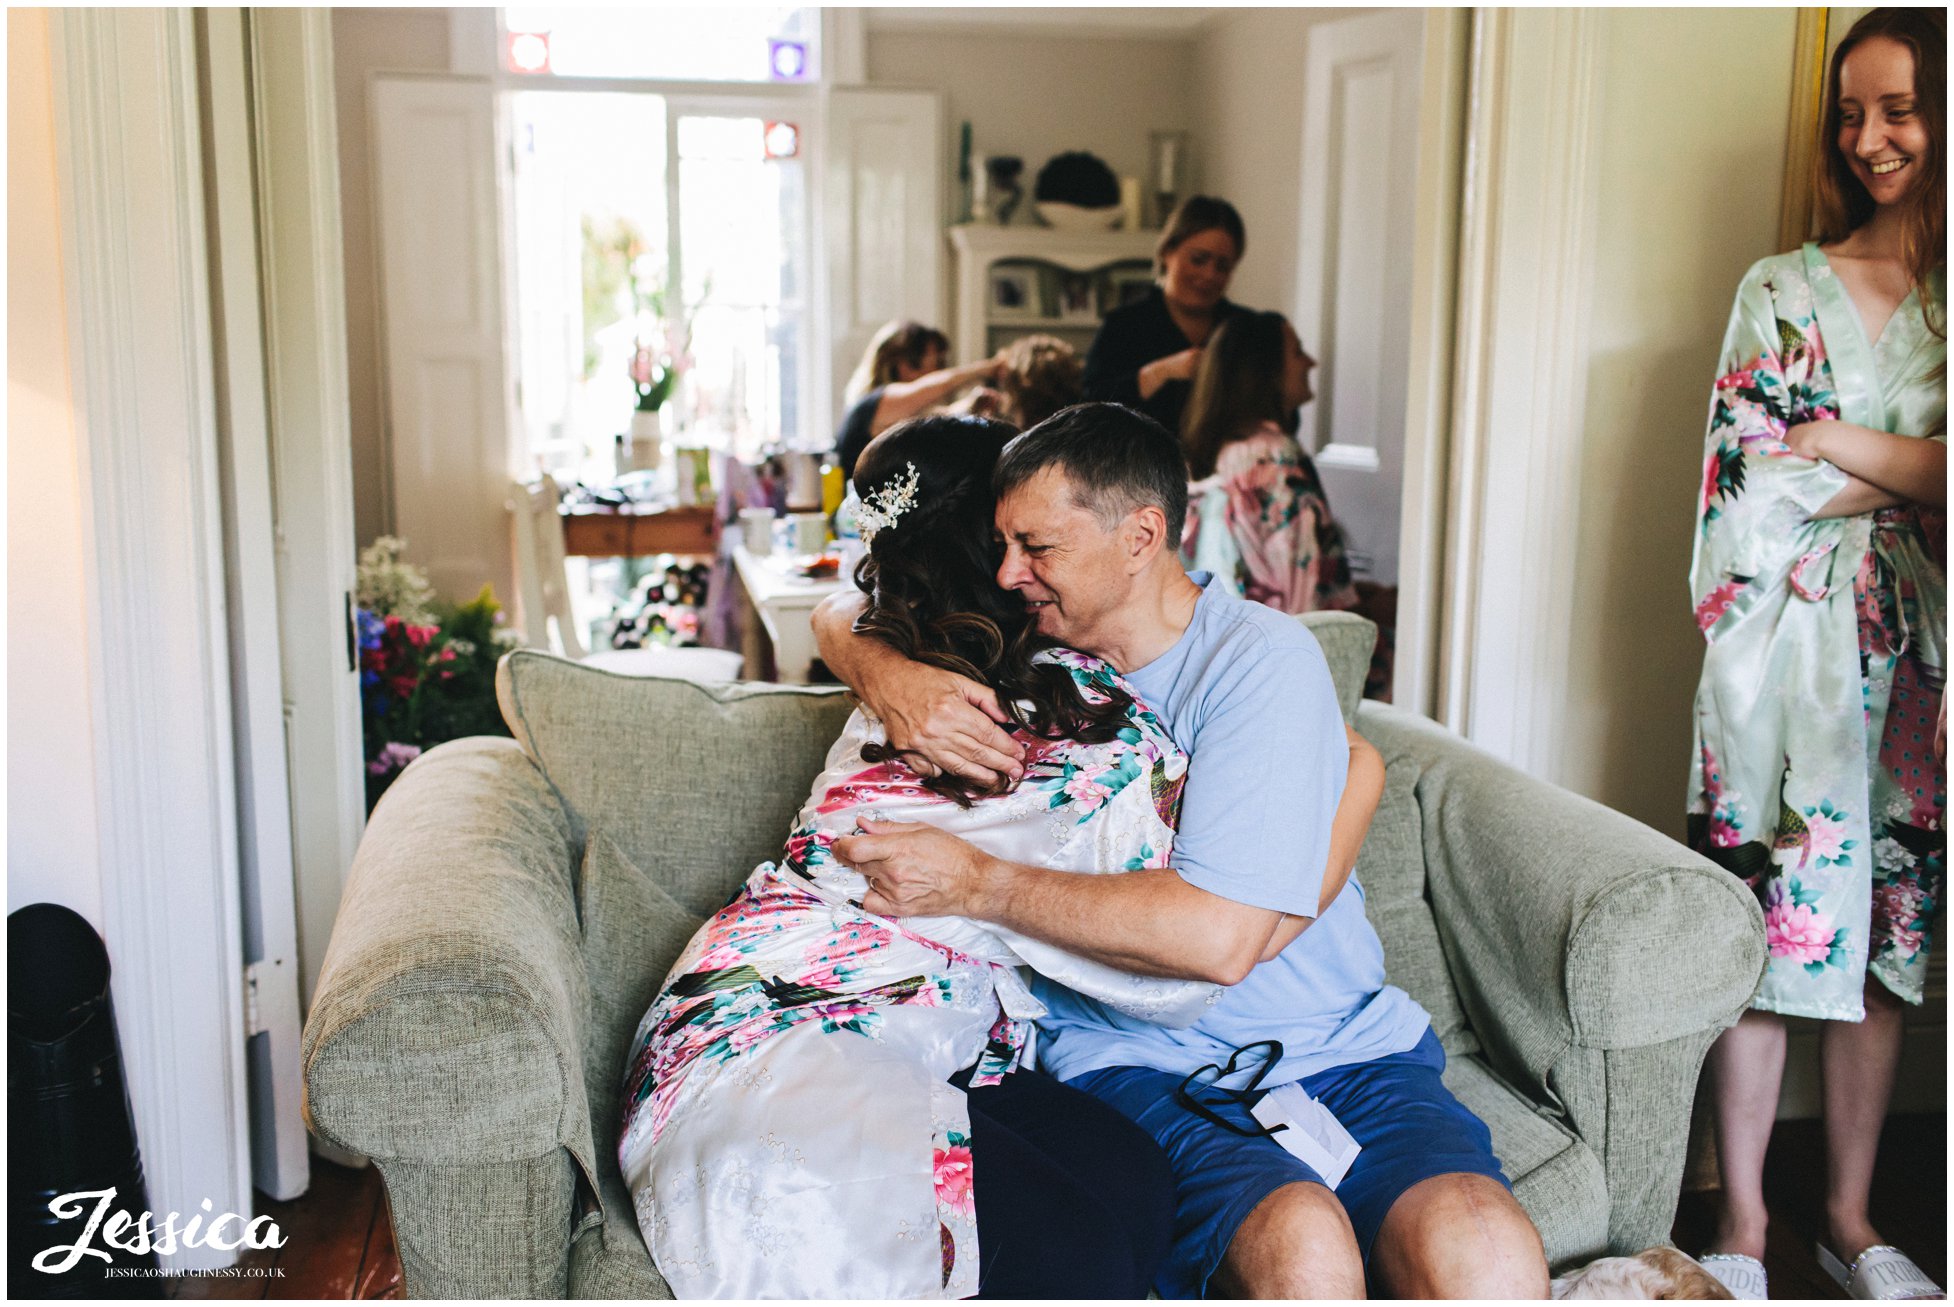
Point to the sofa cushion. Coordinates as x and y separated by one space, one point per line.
1391 868
632 932
696 784
1347 642
1556 1177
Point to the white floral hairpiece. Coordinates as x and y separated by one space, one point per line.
884 506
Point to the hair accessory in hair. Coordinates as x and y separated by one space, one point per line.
884 505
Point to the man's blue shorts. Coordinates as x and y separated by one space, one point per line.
1408 1123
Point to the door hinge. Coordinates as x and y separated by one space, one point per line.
352 635
253 1019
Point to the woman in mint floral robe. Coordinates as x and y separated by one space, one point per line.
1814 776
792 1127
1819 583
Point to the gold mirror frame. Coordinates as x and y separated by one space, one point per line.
1801 142
1819 33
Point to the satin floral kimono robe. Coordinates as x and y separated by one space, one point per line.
790 1130
1261 524
1814 775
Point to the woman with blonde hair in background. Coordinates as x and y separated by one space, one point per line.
1037 376
1819 581
903 373
1257 516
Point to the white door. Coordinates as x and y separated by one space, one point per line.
450 446
311 472
253 559
1353 295
882 210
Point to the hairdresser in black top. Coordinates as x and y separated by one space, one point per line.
1145 353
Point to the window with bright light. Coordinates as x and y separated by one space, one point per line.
696 44
592 256
742 242
649 240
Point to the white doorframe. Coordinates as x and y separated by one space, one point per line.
1519 382
252 562
312 463
1428 383
129 170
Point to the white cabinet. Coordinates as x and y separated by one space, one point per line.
1115 264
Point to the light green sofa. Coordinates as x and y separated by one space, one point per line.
515 904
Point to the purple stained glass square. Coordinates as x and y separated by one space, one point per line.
786 60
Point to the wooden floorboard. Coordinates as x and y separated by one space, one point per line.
1909 1206
339 1240
338 1244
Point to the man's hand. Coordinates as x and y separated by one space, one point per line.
952 722
915 870
944 721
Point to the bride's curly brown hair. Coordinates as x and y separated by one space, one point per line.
931 582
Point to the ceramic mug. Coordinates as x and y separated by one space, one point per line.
803 533
756 530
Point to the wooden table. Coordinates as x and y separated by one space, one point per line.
633 533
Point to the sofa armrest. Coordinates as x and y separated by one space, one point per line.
1595 958
446 1035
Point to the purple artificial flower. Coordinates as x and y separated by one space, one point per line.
393 757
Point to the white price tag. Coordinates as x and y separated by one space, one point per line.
1314 1134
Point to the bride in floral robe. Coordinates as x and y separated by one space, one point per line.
790 1128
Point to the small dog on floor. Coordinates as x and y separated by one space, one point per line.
1651 1273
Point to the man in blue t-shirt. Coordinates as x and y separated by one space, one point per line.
1090 509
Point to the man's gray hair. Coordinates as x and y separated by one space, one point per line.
1116 459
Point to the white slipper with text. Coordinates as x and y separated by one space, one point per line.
1881 1272
1743 1276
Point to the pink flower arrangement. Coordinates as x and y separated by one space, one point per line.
1828 835
392 757
955 1187
1084 787
1906 941
1902 900
1796 932
1742 379
1716 603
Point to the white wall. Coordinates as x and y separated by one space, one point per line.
1037 95
366 41
1691 161
1248 126
52 854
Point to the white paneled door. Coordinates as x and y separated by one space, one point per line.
1353 295
883 223
448 436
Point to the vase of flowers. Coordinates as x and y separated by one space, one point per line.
654 377
427 669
